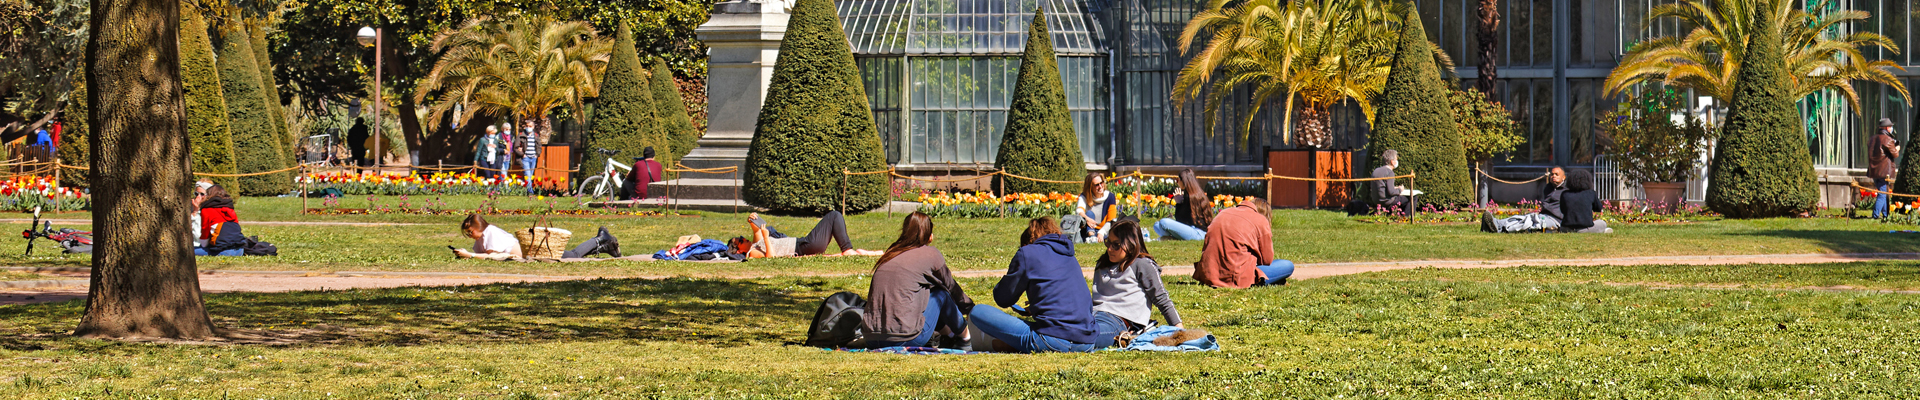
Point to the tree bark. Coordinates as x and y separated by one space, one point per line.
144 281
398 64
1489 35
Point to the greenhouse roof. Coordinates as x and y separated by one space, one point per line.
968 27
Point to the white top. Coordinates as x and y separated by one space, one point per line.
496 240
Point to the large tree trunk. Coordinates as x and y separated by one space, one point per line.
398 64
1489 35
144 281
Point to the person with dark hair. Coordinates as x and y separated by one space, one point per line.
1238 251
357 142
645 171
489 241
1881 153
769 242
1579 203
1047 274
1547 219
1192 211
1095 209
1395 198
1126 280
219 224
914 295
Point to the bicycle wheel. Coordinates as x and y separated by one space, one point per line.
593 186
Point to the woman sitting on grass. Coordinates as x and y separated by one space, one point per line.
1126 280
1238 252
1096 208
769 242
1579 203
1045 271
219 225
1192 211
489 241
914 294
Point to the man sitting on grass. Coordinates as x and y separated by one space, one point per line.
1547 219
1580 203
1238 250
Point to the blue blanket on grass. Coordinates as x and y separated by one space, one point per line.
911 350
704 246
1144 342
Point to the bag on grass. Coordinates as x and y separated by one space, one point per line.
255 247
837 323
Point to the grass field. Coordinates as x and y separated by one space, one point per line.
973 244
1412 333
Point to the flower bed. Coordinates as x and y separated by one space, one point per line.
1148 207
442 183
23 193
406 205
1614 212
431 211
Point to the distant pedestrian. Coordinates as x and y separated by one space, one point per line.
357 142
530 153
1881 152
487 148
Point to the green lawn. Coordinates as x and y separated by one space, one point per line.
1415 333
975 244
21 276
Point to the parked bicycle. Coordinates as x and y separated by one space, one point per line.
70 240
607 182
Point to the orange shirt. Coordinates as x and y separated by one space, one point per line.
1239 240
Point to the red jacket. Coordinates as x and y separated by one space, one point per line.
644 172
1239 240
211 218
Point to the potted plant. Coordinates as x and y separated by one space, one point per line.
1487 131
1656 143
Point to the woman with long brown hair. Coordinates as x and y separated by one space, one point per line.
1192 211
1126 281
914 294
1095 211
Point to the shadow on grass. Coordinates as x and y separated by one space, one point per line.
1859 242
703 311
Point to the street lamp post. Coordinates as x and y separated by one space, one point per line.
369 35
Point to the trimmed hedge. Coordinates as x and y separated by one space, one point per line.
1415 118
73 132
256 142
1762 167
1907 178
1039 141
623 117
257 38
680 133
814 124
210 139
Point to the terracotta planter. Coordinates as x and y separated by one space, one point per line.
1666 195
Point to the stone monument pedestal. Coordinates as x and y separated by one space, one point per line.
743 38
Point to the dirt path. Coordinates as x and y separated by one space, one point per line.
71 283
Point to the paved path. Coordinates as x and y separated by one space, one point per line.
72 282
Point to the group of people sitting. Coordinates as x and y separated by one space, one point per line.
1567 204
217 227
1096 209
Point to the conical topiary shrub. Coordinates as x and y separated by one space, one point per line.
211 140
1415 118
256 142
1762 167
1039 141
815 124
257 38
623 117
681 136
1907 179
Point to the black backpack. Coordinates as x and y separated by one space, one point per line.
838 322
255 247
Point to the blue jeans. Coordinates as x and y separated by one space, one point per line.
1277 273
941 310
202 251
1169 229
1880 200
1018 333
529 163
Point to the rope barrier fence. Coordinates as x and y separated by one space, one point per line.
1477 170
1856 185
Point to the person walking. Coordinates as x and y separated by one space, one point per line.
357 142
484 156
1882 150
530 153
504 158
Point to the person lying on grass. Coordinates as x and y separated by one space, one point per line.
1238 251
769 242
1126 279
489 241
1045 271
914 294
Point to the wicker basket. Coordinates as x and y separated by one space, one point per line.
543 241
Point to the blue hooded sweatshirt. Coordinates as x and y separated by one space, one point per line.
1049 276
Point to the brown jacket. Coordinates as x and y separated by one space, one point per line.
897 301
1881 152
1239 240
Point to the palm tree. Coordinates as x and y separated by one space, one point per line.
1708 58
1320 52
522 67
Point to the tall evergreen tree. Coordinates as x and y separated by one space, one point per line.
1907 178
257 38
680 133
144 279
1415 118
256 142
1762 167
815 124
74 119
206 102
1039 141
623 117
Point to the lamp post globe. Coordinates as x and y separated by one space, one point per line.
366 36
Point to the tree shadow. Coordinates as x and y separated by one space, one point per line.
704 311
1856 242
